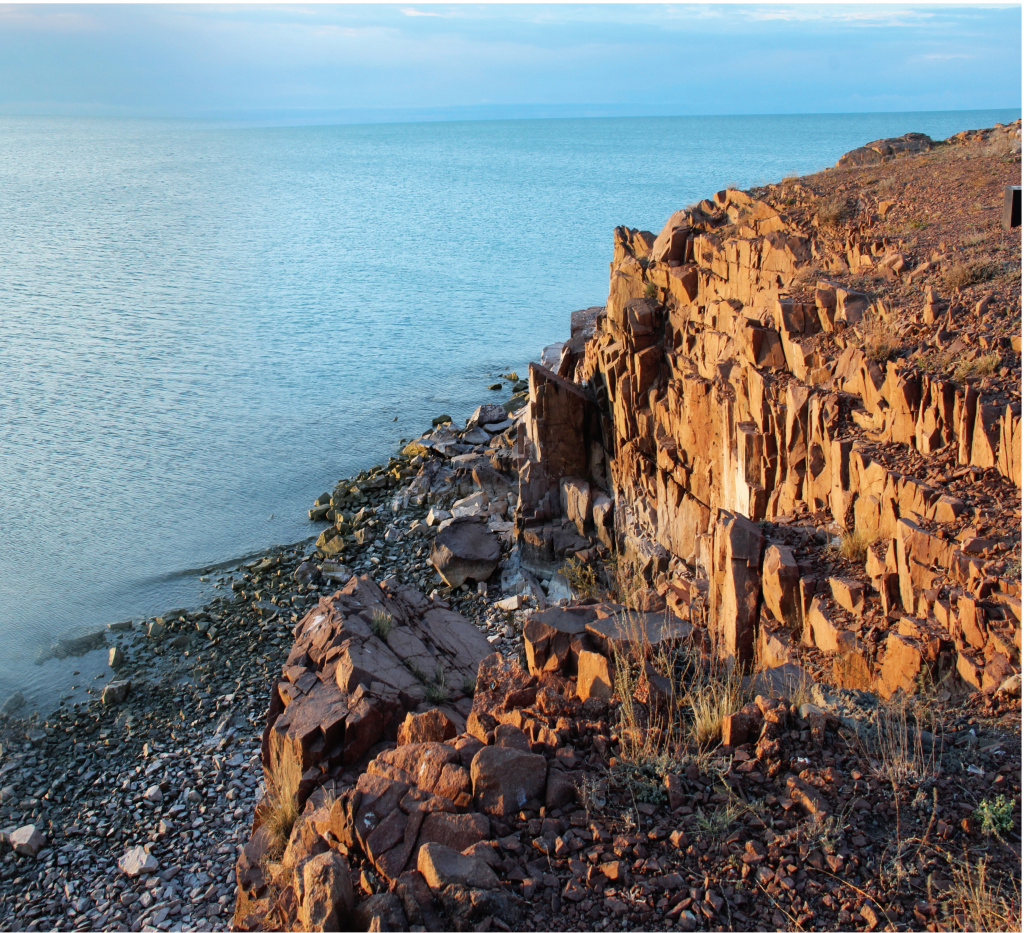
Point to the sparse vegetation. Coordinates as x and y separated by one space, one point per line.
437 689
469 686
853 546
899 744
878 340
964 274
977 368
281 803
995 817
381 624
974 903
715 692
834 211
826 833
672 701
581 576
643 778
651 291
592 794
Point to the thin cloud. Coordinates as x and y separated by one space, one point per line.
411 11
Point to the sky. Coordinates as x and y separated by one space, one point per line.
340 63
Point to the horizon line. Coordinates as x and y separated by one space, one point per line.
458 113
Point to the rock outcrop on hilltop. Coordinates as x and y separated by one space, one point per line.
790 446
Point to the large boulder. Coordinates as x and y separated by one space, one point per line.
505 779
327 896
882 149
465 550
486 414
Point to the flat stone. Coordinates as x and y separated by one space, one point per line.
442 866
137 861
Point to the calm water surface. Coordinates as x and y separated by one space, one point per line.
202 327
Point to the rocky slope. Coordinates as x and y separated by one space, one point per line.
777 479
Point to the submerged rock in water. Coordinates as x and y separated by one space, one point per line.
13 703
72 646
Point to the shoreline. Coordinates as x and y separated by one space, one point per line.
172 762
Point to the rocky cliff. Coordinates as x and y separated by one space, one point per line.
802 405
782 465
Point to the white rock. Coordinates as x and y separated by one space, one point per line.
510 603
476 500
435 516
27 840
559 590
1010 686
137 861
551 355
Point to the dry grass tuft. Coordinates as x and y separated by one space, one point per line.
281 803
976 238
716 691
878 340
974 903
899 744
672 700
964 274
381 624
854 546
834 211
979 367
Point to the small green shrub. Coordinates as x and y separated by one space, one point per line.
651 291
644 778
995 817
581 576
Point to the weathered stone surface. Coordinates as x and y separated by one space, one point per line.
327 896
736 585
344 688
432 726
620 629
137 861
442 866
504 779
465 550
596 677
458 831
549 637
780 585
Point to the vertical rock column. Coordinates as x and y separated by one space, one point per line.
735 586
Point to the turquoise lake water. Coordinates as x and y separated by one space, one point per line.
202 327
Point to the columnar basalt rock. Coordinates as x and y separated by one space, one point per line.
737 374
